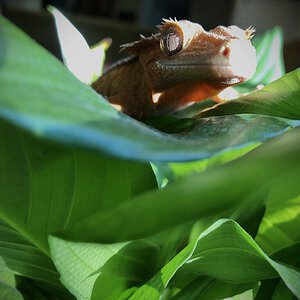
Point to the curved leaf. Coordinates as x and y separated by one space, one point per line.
280 98
223 251
84 260
279 227
38 94
48 187
54 187
9 293
211 192
23 258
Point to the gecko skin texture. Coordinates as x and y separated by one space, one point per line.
179 65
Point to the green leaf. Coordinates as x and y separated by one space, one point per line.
9 293
6 274
105 270
288 255
8 289
111 270
197 195
50 103
177 170
211 289
22 257
281 292
224 252
54 187
280 98
35 289
279 227
130 267
84 260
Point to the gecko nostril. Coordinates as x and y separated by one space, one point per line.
225 51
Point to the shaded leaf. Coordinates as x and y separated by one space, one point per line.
54 187
211 289
197 195
22 257
9 293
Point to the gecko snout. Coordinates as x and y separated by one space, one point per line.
225 51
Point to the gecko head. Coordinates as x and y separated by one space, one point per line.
183 51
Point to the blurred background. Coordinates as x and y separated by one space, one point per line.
124 20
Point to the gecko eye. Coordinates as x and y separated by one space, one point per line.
171 41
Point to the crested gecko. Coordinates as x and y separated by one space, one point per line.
179 65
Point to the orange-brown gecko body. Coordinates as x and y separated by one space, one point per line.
179 65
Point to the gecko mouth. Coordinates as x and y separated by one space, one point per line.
230 74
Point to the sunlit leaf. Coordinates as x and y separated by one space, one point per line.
84 260
279 98
84 62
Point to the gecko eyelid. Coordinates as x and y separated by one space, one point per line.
171 41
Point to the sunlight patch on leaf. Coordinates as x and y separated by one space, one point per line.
84 62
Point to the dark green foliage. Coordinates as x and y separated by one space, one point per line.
81 213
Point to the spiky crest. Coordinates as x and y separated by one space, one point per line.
250 32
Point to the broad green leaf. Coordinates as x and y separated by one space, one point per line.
280 98
8 289
288 255
281 223
84 260
85 63
224 252
22 257
281 292
35 289
49 187
248 295
6 275
266 289
171 171
211 289
155 287
9 293
130 267
115 268
212 192
54 105
54 187
274 289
